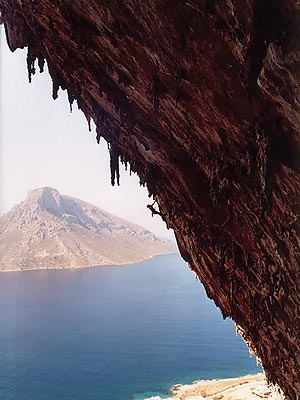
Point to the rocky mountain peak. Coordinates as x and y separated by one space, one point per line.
51 230
48 198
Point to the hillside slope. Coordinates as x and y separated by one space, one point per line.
50 230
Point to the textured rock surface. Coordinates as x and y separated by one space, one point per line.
50 230
200 97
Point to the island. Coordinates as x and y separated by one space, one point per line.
49 230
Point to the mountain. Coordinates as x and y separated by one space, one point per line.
51 230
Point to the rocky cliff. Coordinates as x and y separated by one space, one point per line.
50 230
201 98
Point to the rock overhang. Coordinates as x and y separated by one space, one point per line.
202 100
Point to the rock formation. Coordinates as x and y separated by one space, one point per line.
201 99
50 230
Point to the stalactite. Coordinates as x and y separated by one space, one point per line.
71 99
98 134
114 164
41 63
55 88
88 118
30 62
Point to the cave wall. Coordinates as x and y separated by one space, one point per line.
201 99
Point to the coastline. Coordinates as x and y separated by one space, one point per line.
248 387
87 266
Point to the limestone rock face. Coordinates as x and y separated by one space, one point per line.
201 99
50 230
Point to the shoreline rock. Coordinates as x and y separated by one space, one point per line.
248 387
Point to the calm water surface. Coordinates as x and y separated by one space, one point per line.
112 333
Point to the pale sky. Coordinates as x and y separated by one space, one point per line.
42 144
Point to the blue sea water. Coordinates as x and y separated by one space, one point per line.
112 333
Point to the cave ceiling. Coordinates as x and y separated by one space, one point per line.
201 99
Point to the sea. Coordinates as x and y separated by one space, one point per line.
112 333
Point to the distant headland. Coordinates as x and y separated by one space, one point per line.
49 230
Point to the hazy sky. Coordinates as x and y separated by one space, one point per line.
42 144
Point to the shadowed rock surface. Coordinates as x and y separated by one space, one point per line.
201 98
50 230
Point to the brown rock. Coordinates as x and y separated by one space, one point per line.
201 99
